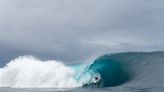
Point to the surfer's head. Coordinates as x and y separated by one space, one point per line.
96 79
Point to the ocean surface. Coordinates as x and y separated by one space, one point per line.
117 72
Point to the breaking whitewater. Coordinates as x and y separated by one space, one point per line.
29 74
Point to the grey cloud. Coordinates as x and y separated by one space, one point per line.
73 30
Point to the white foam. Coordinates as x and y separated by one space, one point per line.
27 71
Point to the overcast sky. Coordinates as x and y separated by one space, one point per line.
74 30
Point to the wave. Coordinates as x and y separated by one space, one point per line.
128 69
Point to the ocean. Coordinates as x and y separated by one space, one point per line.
117 72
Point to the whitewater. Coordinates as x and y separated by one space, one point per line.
30 72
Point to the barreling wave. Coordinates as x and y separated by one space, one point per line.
129 69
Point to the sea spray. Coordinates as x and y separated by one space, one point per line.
28 71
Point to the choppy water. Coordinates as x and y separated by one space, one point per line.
113 89
146 75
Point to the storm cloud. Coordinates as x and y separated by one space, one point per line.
75 30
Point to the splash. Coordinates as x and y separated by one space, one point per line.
28 71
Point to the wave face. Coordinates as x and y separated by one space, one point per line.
146 69
125 69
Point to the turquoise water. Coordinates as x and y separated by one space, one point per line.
103 72
112 72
